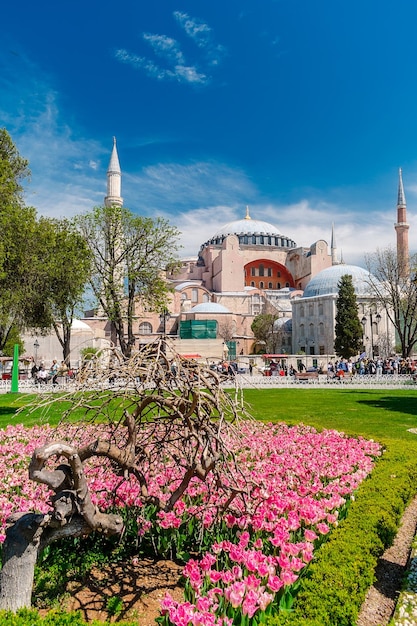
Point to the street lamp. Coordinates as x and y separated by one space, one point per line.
164 316
36 348
371 319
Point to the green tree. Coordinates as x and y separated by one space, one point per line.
13 171
58 278
130 255
396 292
348 340
17 228
264 331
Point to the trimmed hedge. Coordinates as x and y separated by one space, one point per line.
26 617
337 581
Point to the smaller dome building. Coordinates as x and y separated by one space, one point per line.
327 281
314 314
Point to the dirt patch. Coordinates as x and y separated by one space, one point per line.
137 589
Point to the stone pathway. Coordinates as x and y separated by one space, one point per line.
406 609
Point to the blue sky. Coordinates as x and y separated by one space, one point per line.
302 110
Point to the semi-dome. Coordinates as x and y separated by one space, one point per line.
209 307
326 281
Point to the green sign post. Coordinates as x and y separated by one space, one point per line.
15 370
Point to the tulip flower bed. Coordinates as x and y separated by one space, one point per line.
292 485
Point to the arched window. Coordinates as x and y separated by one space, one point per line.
145 328
302 330
270 286
278 285
261 284
320 308
194 295
301 311
321 329
206 297
261 270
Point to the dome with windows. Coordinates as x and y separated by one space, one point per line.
252 232
209 307
247 226
327 281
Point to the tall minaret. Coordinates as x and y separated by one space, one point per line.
333 248
114 180
401 228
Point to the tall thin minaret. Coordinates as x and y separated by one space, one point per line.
114 180
333 248
401 228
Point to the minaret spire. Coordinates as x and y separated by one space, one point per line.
114 180
333 248
401 228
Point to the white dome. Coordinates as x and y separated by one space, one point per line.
79 325
209 307
247 226
283 323
326 281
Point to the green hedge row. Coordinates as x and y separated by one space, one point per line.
26 617
337 581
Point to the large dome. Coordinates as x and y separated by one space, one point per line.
251 232
326 281
247 226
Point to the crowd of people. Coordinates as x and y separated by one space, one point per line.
42 375
374 367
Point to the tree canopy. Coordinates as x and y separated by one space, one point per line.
264 330
130 255
396 292
44 263
17 224
58 278
348 330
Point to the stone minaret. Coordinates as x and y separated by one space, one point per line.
114 180
333 248
401 228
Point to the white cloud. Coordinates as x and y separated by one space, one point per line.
177 67
165 47
180 73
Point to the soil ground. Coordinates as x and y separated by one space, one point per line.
140 588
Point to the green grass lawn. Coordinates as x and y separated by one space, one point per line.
372 413
378 414
11 403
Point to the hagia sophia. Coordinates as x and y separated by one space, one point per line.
249 267
246 268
